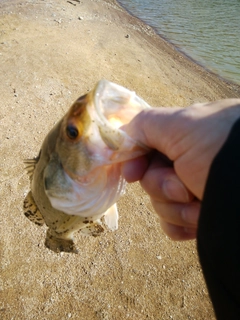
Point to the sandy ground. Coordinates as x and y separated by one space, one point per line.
51 52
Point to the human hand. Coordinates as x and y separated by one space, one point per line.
190 138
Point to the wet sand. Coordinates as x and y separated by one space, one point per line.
51 53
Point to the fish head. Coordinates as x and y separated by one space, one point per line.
83 176
91 134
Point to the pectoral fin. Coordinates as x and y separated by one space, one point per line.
31 210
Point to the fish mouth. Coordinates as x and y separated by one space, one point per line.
110 107
116 105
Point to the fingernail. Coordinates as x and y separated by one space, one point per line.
175 190
191 213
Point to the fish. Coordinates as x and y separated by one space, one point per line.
75 181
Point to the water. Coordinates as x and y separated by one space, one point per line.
208 30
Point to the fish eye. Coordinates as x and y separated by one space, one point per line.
72 132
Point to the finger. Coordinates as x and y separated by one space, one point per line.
162 184
178 233
133 170
154 127
184 215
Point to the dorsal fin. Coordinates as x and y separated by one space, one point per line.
31 164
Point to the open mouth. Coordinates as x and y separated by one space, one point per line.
116 105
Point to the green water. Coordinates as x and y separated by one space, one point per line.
207 31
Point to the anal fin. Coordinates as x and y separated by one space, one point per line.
31 210
111 218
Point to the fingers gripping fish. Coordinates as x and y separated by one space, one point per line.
76 179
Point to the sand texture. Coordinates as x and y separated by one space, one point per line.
52 52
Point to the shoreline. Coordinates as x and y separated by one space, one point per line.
193 65
52 53
235 85
180 56
181 51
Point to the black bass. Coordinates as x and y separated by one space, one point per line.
76 178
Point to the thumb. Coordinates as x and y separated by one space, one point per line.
151 128
154 128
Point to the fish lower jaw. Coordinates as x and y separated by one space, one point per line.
93 203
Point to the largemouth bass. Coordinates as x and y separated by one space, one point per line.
76 179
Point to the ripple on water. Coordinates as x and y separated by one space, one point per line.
207 31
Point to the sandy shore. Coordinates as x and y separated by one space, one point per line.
51 52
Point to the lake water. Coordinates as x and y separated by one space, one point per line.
208 30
